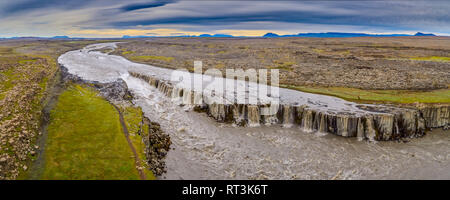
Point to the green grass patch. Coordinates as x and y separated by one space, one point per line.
29 61
149 58
282 65
127 52
318 51
433 58
85 139
381 96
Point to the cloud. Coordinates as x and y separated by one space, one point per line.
55 17
139 6
114 33
23 6
400 14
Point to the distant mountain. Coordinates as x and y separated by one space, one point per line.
342 35
333 34
137 36
424 34
271 35
205 35
222 35
61 37
215 35
48 38
267 35
22 38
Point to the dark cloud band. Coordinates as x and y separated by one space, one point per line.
139 6
209 16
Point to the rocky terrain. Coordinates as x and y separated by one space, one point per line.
415 63
157 144
377 123
20 113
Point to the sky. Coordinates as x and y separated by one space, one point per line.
115 18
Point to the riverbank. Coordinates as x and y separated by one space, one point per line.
202 148
380 96
86 140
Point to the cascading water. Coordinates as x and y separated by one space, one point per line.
205 149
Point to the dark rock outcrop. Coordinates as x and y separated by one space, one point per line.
157 144
114 91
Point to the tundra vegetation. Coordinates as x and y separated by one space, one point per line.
366 69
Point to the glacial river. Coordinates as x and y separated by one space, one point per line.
205 149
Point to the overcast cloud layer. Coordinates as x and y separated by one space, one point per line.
114 18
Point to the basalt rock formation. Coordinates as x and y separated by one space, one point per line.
435 115
378 123
157 144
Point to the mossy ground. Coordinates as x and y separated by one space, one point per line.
379 96
133 118
85 139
